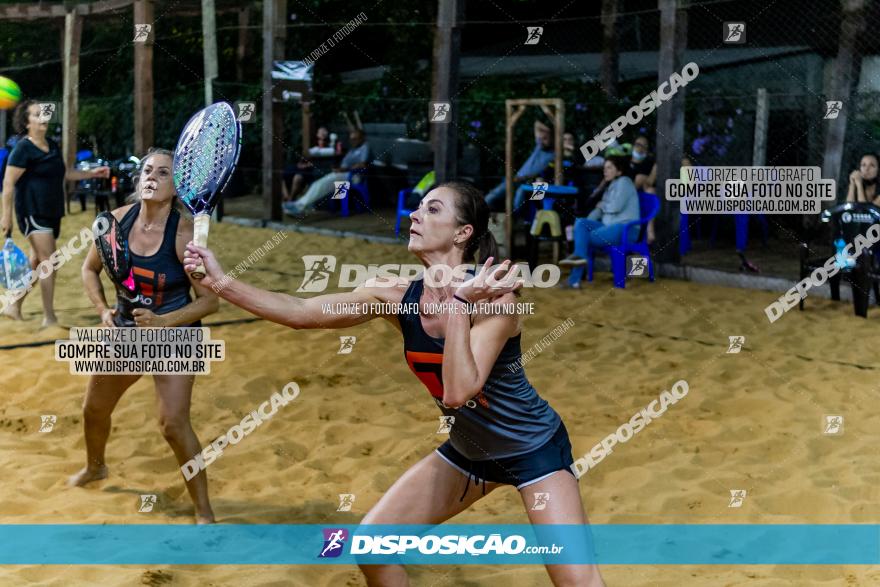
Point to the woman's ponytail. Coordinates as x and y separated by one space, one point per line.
486 247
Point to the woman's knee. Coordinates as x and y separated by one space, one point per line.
94 410
172 426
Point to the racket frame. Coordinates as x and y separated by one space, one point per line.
201 220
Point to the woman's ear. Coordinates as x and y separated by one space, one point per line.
463 234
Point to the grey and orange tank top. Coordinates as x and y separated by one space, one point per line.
161 279
507 418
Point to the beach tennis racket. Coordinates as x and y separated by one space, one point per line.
204 160
15 272
115 256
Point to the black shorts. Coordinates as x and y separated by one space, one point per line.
31 224
519 471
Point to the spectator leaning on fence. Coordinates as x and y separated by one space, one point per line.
358 157
863 181
604 225
541 156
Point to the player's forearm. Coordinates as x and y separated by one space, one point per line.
77 175
192 312
860 192
7 199
276 307
460 373
94 289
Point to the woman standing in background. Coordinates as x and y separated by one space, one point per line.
36 173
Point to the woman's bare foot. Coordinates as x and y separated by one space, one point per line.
13 312
207 518
49 322
87 475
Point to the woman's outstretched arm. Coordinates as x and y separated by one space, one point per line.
339 310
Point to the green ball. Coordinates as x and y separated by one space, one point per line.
10 93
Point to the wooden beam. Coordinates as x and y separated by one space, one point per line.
447 49
610 67
669 142
274 31
143 79
244 17
534 101
33 11
73 24
559 122
762 113
554 108
845 74
511 115
209 48
559 131
306 127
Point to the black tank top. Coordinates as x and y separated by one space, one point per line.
160 278
507 418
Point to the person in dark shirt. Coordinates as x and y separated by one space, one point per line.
300 175
643 166
358 157
643 172
35 173
863 181
157 234
501 432
540 157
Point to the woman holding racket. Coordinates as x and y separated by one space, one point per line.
156 234
35 173
504 433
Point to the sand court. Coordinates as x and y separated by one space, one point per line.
752 420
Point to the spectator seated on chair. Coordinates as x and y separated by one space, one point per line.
541 156
358 157
574 173
643 166
643 172
604 226
297 177
863 181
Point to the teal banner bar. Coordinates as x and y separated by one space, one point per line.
280 544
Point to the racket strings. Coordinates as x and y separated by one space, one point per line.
203 163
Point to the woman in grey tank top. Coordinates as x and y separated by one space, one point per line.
503 432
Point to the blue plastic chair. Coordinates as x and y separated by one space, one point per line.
649 206
402 210
362 189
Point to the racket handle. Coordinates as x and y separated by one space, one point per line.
200 239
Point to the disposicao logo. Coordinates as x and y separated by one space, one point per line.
334 542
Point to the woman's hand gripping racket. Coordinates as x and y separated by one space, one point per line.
204 159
